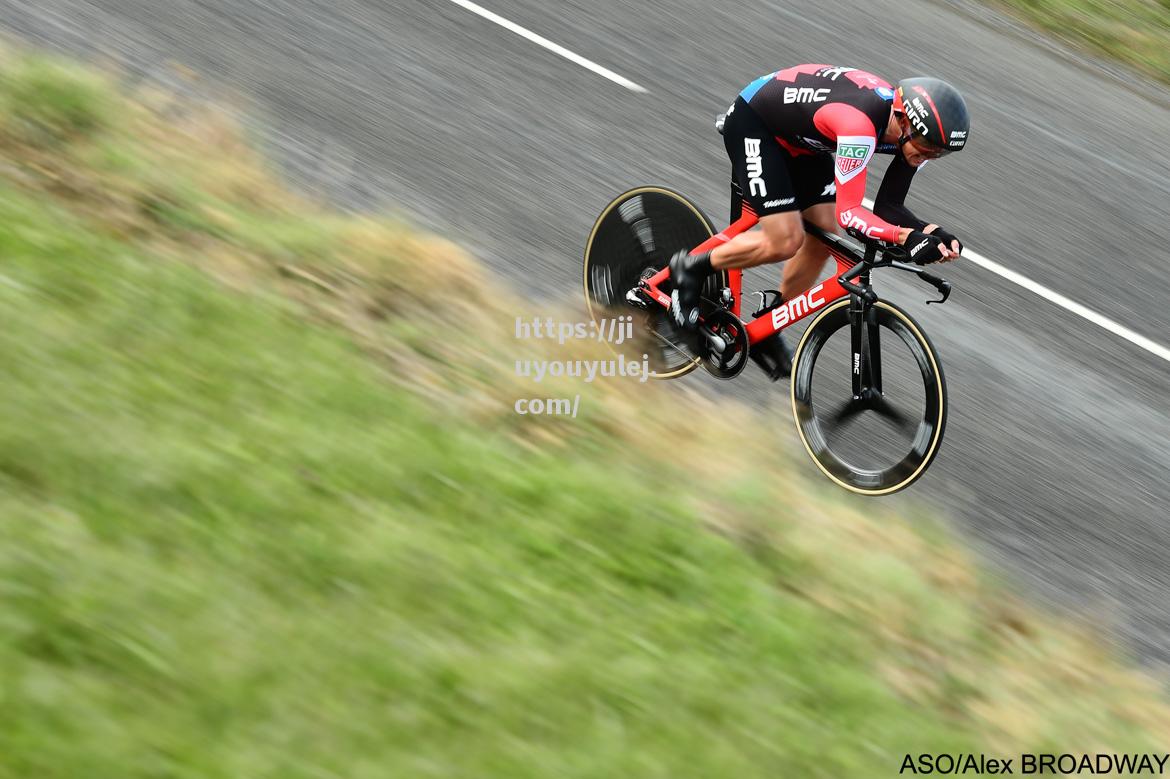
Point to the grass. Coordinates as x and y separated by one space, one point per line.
1134 32
256 520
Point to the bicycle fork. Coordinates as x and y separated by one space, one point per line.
864 333
865 340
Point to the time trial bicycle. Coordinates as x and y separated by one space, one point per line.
867 387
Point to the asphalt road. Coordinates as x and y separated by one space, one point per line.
1058 449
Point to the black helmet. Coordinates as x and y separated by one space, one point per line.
936 112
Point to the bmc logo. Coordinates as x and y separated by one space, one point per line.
805 95
755 166
797 307
849 220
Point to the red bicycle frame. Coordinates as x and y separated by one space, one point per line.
778 317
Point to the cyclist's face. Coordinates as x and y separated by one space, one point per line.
915 150
917 154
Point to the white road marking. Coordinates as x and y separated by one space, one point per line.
546 43
1006 273
1068 304
1083 311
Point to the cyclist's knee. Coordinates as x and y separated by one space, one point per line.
783 234
784 246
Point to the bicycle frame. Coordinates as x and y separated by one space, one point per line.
775 318
864 333
845 304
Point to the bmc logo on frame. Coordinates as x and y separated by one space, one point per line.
797 307
755 166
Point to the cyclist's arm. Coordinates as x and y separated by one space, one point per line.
890 203
856 140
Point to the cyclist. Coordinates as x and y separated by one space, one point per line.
800 141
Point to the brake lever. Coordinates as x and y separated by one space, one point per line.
942 285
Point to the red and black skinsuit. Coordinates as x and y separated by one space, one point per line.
806 134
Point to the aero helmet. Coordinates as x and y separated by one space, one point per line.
936 112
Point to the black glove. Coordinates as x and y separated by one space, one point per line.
947 238
924 248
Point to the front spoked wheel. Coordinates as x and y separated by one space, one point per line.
869 397
634 238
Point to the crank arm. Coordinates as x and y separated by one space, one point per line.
717 344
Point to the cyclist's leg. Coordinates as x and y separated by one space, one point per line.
777 239
802 270
816 192
761 168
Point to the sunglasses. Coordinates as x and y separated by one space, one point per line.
928 151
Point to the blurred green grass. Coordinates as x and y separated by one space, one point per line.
230 549
257 520
1135 32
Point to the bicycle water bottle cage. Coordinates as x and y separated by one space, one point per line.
765 306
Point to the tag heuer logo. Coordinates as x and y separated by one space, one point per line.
853 152
847 165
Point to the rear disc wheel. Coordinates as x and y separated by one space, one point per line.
634 238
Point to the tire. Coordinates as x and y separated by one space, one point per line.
637 233
903 339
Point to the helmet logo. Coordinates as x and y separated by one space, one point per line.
917 113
